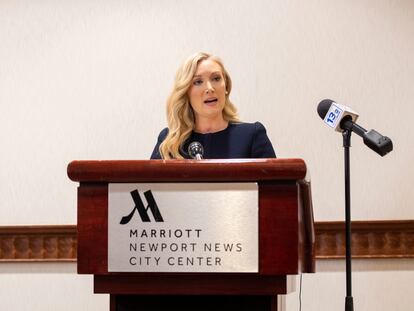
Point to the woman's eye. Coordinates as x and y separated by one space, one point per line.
218 78
197 82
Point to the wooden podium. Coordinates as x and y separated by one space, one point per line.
286 234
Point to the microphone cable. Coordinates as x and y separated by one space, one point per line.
300 293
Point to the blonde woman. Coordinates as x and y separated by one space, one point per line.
199 110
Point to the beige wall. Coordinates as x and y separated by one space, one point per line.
89 79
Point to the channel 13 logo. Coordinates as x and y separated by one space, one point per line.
333 115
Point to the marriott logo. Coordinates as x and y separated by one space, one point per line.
142 209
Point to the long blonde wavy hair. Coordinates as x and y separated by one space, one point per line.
180 114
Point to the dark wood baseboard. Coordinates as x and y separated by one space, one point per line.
371 239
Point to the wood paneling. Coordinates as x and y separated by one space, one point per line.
38 243
278 229
371 239
93 228
187 170
178 284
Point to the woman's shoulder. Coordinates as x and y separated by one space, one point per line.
162 134
247 127
254 134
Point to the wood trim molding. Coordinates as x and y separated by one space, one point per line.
371 239
38 243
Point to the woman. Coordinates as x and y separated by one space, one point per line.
199 110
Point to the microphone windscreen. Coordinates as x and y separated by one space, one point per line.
323 107
194 149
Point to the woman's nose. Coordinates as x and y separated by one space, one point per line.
209 88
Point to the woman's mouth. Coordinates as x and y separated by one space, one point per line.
210 101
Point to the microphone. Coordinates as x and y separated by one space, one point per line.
332 114
343 118
195 150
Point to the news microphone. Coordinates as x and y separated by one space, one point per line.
343 118
333 113
195 150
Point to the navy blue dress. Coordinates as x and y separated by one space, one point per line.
238 140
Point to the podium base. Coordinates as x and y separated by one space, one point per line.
192 303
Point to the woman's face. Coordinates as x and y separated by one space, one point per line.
207 93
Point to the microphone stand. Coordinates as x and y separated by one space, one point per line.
349 301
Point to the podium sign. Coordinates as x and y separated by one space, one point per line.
183 227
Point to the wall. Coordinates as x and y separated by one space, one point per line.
89 80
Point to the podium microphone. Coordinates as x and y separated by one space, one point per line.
195 150
342 118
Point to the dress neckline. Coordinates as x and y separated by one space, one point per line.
212 133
